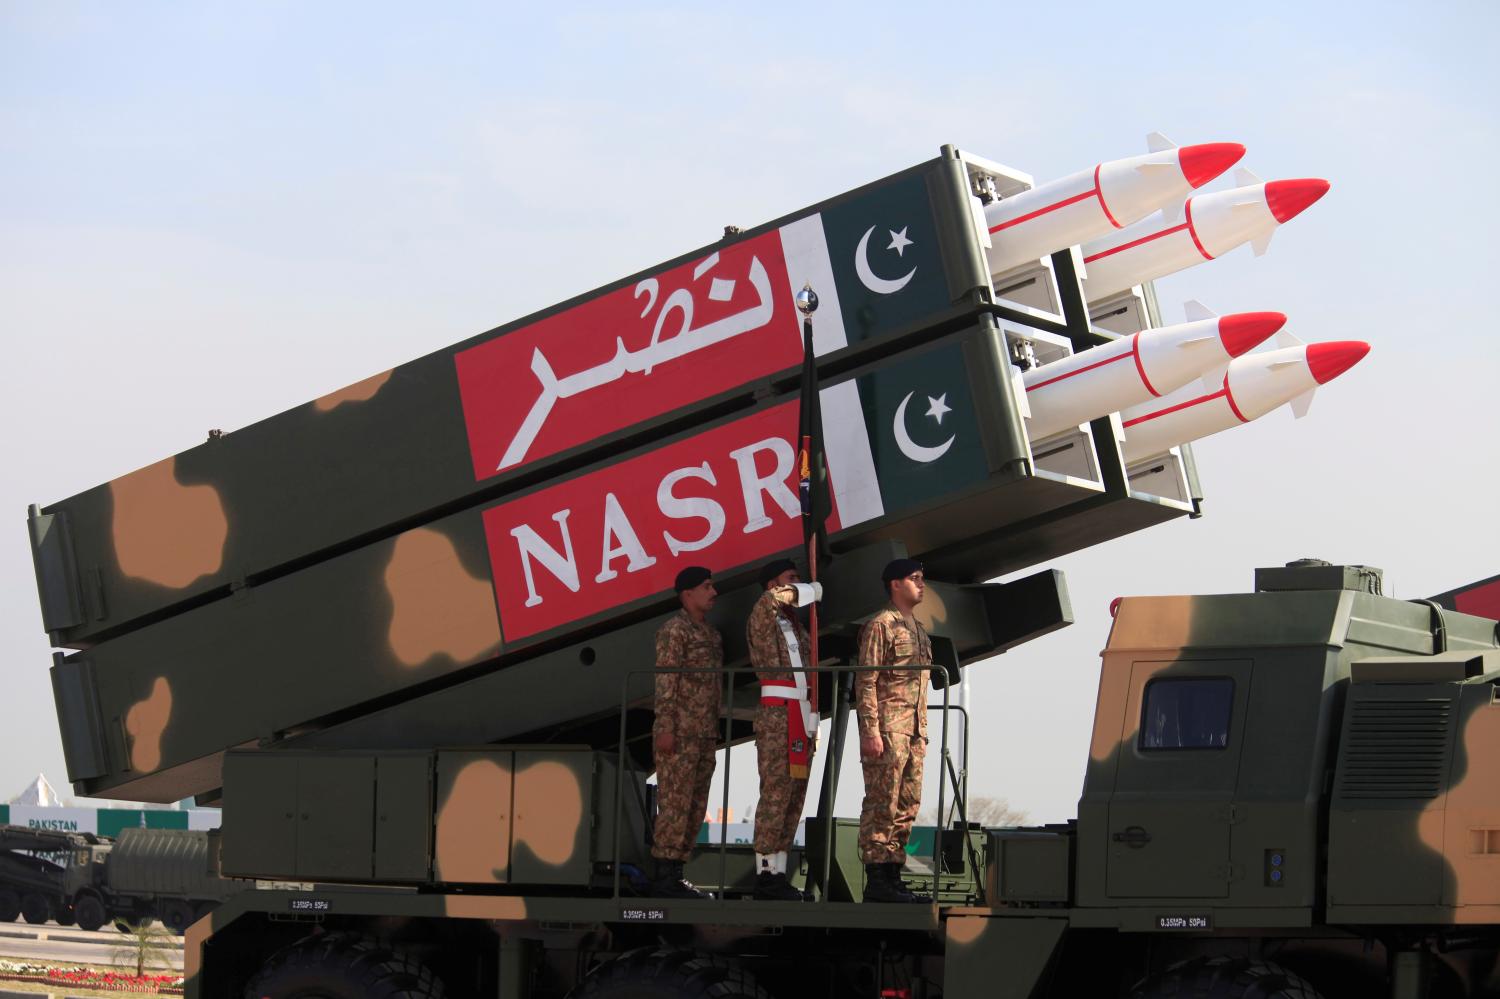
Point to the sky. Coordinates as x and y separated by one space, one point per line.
212 213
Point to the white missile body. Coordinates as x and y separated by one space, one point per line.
1204 227
1093 202
1252 386
1135 369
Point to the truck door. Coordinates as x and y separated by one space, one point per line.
1170 814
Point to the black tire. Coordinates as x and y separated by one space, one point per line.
1225 978
176 916
90 913
664 973
35 909
343 966
64 916
10 906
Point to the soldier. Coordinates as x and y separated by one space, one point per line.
892 707
786 726
685 732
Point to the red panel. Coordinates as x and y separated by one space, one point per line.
1481 601
735 456
614 337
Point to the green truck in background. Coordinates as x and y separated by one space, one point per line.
404 635
140 876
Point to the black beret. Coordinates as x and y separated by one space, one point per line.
774 568
693 575
899 568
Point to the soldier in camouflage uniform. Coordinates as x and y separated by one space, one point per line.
685 731
786 723
892 709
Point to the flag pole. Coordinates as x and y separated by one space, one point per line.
807 304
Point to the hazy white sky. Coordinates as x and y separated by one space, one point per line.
211 213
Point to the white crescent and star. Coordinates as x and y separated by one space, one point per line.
867 277
936 408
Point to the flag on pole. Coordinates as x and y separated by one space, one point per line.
812 462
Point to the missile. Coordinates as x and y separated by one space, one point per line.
1143 366
1093 202
1204 227
1252 386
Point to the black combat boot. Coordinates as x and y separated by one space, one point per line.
670 883
894 871
774 886
881 887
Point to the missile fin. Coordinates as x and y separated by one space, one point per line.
1196 310
1302 403
1158 143
1260 244
1144 168
1213 379
1245 177
1286 338
1195 340
1299 362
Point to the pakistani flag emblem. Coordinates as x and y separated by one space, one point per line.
924 435
886 262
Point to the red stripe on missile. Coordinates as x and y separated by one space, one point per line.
1180 406
1229 398
1188 211
1051 208
1135 352
1137 242
1100 192
1084 369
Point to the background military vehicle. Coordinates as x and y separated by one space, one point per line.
418 679
142 875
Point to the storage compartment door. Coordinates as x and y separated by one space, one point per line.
1170 815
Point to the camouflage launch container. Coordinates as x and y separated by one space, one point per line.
589 453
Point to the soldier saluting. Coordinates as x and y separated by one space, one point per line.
685 731
786 723
892 708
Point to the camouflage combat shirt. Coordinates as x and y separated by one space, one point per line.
893 701
768 648
688 704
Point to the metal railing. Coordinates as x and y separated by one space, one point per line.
832 753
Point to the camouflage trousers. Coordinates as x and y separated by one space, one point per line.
893 793
781 795
682 781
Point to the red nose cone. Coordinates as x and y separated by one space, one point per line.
1245 330
1287 198
1201 164
1327 361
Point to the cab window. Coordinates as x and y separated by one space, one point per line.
1187 713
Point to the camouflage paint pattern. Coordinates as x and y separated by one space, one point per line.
395 449
165 532
682 780
1265 796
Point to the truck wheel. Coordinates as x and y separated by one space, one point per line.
10 905
177 916
1225 978
127 925
343 966
90 913
664 973
35 910
64 916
